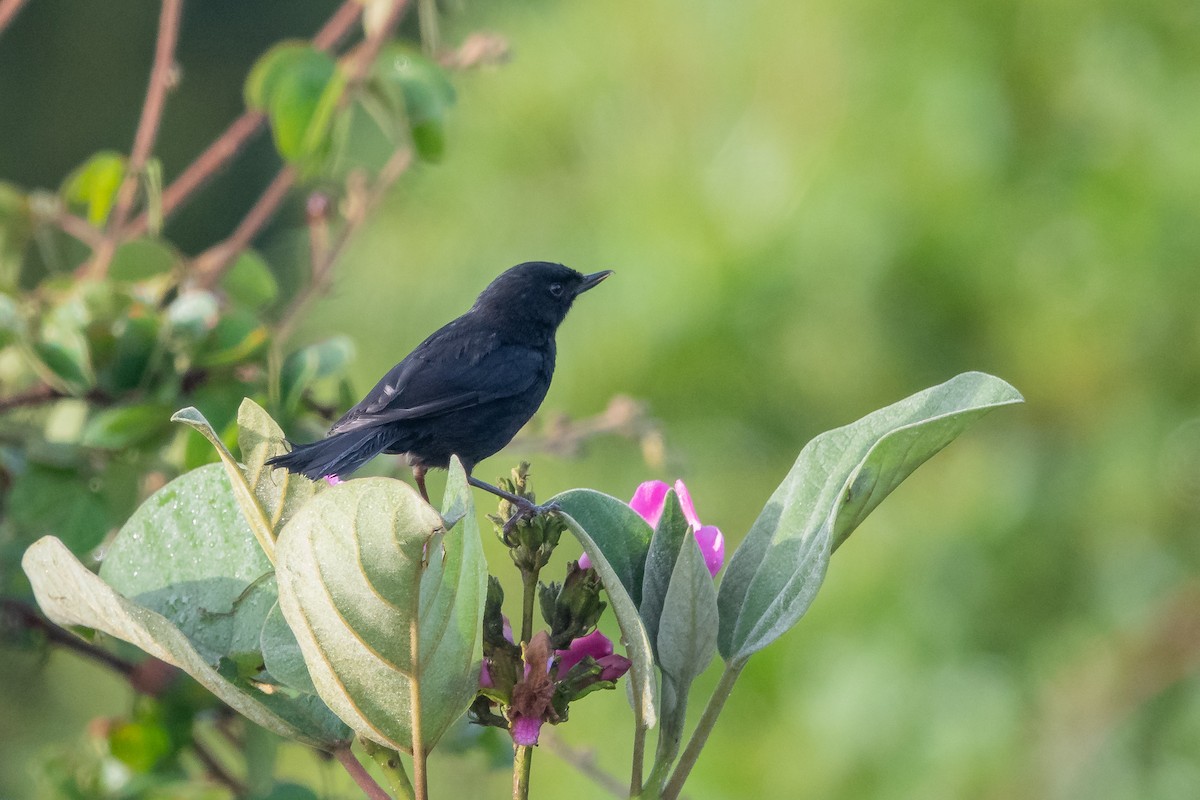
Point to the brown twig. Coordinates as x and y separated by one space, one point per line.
584 761
624 416
217 770
79 228
162 78
8 10
239 132
359 773
212 263
17 613
36 396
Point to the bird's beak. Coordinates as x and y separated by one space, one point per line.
591 280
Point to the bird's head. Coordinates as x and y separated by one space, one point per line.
536 293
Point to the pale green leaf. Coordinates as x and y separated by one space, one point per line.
387 607
70 595
280 493
253 512
613 528
839 477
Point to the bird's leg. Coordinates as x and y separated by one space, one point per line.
526 508
419 477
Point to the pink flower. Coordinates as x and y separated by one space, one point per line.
532 696
649 500
600 648
332 480
526 730
485 676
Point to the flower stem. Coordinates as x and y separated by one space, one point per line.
703 728
522 763
529 598
392 767
639 758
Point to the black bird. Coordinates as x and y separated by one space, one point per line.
466 390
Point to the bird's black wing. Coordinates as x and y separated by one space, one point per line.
450 371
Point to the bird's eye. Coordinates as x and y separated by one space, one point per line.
556 289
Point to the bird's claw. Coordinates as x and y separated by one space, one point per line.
527 511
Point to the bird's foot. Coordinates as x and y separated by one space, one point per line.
527 510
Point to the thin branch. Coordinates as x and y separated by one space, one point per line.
217 770
708 719
78 228
522 767
20 614
360 775
584 761
562 437
374 43
239 132
206 165
212 263
162 78
8 10
388 761
639 758
38 395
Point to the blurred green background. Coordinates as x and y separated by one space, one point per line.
814 209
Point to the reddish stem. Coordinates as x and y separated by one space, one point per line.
239 132
161 80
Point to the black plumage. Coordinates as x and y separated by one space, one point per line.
466 390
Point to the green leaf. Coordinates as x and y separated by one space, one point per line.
252 510
669 534
687 634
620 534
238 335
386 606
141 259
416 88
309 364
298 88
136 347
94 184
269 71
70 595
608 530
687 640
249 282
188 554
44 500
838 479
63 354
280 493
281 653
125 426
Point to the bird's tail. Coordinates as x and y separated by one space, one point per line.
336 455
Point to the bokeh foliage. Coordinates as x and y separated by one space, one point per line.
814 209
